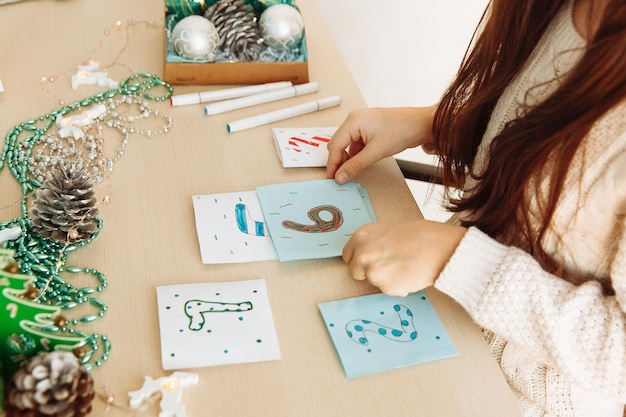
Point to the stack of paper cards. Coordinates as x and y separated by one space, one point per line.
302 147
301 220
312 219
378 332
215 324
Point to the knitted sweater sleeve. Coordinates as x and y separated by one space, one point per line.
577 329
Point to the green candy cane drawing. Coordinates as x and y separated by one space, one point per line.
195 310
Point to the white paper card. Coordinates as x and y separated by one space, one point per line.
212 324
231 229
302 147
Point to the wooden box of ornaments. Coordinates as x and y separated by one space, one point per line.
234 42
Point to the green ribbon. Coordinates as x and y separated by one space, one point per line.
264 4
186 7
183 8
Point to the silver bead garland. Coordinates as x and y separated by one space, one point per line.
88 150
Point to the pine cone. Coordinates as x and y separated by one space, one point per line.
236 24
63 210
50 384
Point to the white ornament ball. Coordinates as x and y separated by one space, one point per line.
195 37
281 26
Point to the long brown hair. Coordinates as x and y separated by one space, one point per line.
509 32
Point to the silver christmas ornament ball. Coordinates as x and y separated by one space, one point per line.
281 26
195 38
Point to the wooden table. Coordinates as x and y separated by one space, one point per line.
149 237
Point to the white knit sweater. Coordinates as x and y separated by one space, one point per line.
561 343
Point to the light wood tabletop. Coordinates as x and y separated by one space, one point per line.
149 237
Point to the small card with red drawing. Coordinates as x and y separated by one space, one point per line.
302 147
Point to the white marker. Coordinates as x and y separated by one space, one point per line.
286 113
203 97
239 103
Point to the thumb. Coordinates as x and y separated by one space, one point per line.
355 165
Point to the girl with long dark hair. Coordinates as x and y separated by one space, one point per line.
533 133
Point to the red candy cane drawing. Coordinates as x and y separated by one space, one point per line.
321 225
296 141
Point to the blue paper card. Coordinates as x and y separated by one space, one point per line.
379 332
313 219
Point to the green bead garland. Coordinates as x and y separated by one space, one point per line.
45 259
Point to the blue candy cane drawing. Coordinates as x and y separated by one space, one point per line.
247 224
356 329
